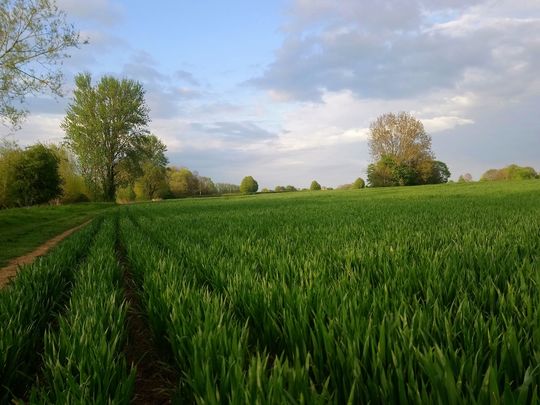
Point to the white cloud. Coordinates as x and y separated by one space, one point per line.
106 12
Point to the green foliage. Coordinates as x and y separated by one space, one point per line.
511 172
440 173
358 184
24 229
83 360
410 295
402 154
105 127
34 40
248 185
226 188
314 186
28 304
388 172
74 189
154 181
182 182
30 176
248 309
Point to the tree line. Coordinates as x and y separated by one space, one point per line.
108 151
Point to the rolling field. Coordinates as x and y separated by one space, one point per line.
402 295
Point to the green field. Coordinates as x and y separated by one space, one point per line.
401 295
24 229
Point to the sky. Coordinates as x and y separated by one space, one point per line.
285 90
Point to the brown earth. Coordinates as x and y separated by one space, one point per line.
8 272
156 381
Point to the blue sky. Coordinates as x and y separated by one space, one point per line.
285 90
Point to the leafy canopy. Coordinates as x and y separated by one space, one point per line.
248 185
34 38
106 127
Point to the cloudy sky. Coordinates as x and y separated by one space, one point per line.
284 90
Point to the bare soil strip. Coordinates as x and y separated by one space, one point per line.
8 272
156 381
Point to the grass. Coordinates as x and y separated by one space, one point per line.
401 295
24 229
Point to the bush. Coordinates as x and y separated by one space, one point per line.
314 186
358 183
29 176
248 185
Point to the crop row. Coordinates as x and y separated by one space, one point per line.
29 304
209 345
420 307
83 360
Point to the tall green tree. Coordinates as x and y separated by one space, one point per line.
34 39
315 186
104 125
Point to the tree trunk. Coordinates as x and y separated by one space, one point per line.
110 188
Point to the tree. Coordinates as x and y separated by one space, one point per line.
154 181
10 156
205 185
439 173
358 183
465 178
28 176
73 185
226 188
248 185
511 172
401 137
290 188
314 186
401 150
34 38
105 125
182 182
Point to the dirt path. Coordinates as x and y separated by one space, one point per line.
11 269
156 381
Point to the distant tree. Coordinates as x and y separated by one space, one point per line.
511 172
34 38
491 175
279 189
36 178
265 190
106 124
383 173
154 181
226 188
401 137
182 182
515 172
248 185
358 183
439 173
314 186
10 156
401 150
205 185
74 188
347 186
290 188
465 178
